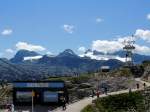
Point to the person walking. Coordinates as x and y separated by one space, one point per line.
137 85
64 103
97 93
93 93
144 85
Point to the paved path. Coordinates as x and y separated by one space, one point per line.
78 106
142 81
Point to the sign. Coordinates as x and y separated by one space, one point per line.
50 96
39 84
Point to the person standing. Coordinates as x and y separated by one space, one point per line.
105 89
144 85
50 110
130 90
12 108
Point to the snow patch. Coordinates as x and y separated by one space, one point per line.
32 58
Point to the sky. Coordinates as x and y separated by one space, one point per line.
51 26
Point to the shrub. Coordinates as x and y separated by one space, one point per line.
89 108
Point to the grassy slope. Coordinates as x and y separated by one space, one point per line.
117 103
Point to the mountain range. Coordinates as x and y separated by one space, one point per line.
30 65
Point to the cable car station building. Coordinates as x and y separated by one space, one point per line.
40 93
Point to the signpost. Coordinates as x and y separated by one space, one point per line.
33 95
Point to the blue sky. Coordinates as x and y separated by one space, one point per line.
55 25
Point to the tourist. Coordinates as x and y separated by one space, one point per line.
63 103
144 85
97 93
93 93
105 89
137 85
12 108
130 90
8 106
50 110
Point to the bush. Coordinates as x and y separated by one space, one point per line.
125 72
80 79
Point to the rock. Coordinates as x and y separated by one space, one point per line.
85 85
146 74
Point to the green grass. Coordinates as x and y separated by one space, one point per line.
117 103
130 81
89 108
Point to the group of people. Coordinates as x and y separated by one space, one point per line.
138 85
98 92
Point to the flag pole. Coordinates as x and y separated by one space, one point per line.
32 101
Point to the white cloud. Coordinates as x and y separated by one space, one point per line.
145 50
143 34
101 57
7 32
82 49
49 53
148 16
9 51
106 46
111 46
30 47
92 56
123 40
68 28
99 20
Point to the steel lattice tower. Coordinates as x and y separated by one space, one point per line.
128 48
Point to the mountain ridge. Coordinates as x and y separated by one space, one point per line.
21 54
65 63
